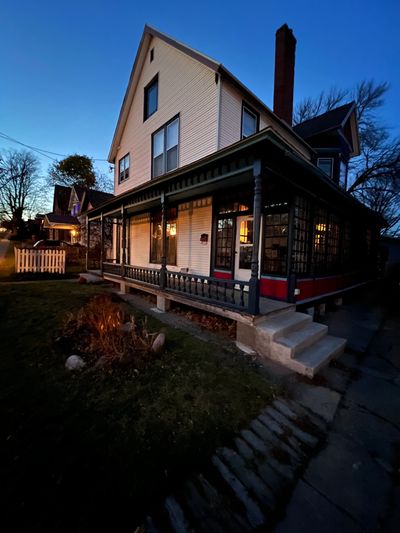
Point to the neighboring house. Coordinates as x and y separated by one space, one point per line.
70 206
218 200
60 224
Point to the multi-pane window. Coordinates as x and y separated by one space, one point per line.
150 98
320 239
301 235
332 244
224 243
249 122
276 242
123 168
156 237
346 253
165 148
326 165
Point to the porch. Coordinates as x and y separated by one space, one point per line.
228 298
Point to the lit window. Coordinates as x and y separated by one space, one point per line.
165 148
123 168
156 237
151 98
249 122
326 165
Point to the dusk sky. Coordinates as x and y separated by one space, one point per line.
65 65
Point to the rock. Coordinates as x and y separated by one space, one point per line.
126 327
101 362
158 344
74 362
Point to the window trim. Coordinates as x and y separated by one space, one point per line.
331 159
121 180
145 98
164 127
251 111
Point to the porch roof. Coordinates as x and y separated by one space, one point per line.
232 166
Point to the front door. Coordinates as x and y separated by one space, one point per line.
244 247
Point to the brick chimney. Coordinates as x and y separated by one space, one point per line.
285 49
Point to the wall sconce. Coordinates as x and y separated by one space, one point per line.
204 238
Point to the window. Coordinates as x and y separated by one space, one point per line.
275 242
151 55
156 237
326 165
151 98
123 168
301 236
224 244
165 145
245 243
250 121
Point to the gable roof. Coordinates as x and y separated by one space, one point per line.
96 198
61 198
148 33
62 219
333 119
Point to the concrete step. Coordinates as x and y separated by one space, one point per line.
311 359
90 277
293 342
282 324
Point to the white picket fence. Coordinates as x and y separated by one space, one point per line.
46 260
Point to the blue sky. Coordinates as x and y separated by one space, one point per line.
65 65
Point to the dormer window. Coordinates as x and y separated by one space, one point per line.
151 98
343 175
326 165
123 168
250 121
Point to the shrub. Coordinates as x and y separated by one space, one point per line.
99 330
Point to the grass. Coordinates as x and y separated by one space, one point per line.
91 452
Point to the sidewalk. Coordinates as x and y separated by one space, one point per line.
352 484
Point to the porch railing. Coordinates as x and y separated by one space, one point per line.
226 292
230 293
145 275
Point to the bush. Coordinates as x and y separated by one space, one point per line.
100 331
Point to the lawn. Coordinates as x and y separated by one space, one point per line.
91 452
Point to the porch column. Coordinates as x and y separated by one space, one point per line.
163 271
254 288
101 243
123 239
87 242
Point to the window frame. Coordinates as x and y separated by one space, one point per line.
251 111
164 128
145 98
331 159
121 175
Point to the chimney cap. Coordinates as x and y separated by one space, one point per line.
285 29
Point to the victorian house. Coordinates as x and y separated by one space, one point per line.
221 204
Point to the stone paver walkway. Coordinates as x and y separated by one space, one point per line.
352 484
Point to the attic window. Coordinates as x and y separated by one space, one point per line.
151 98
151 55
250 121
326 165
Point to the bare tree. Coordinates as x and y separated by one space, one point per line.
374 176
21 190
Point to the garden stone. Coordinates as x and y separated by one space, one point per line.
158 344
74 362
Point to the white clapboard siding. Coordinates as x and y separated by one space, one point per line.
186 88
30 260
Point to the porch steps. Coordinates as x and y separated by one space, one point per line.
298 343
